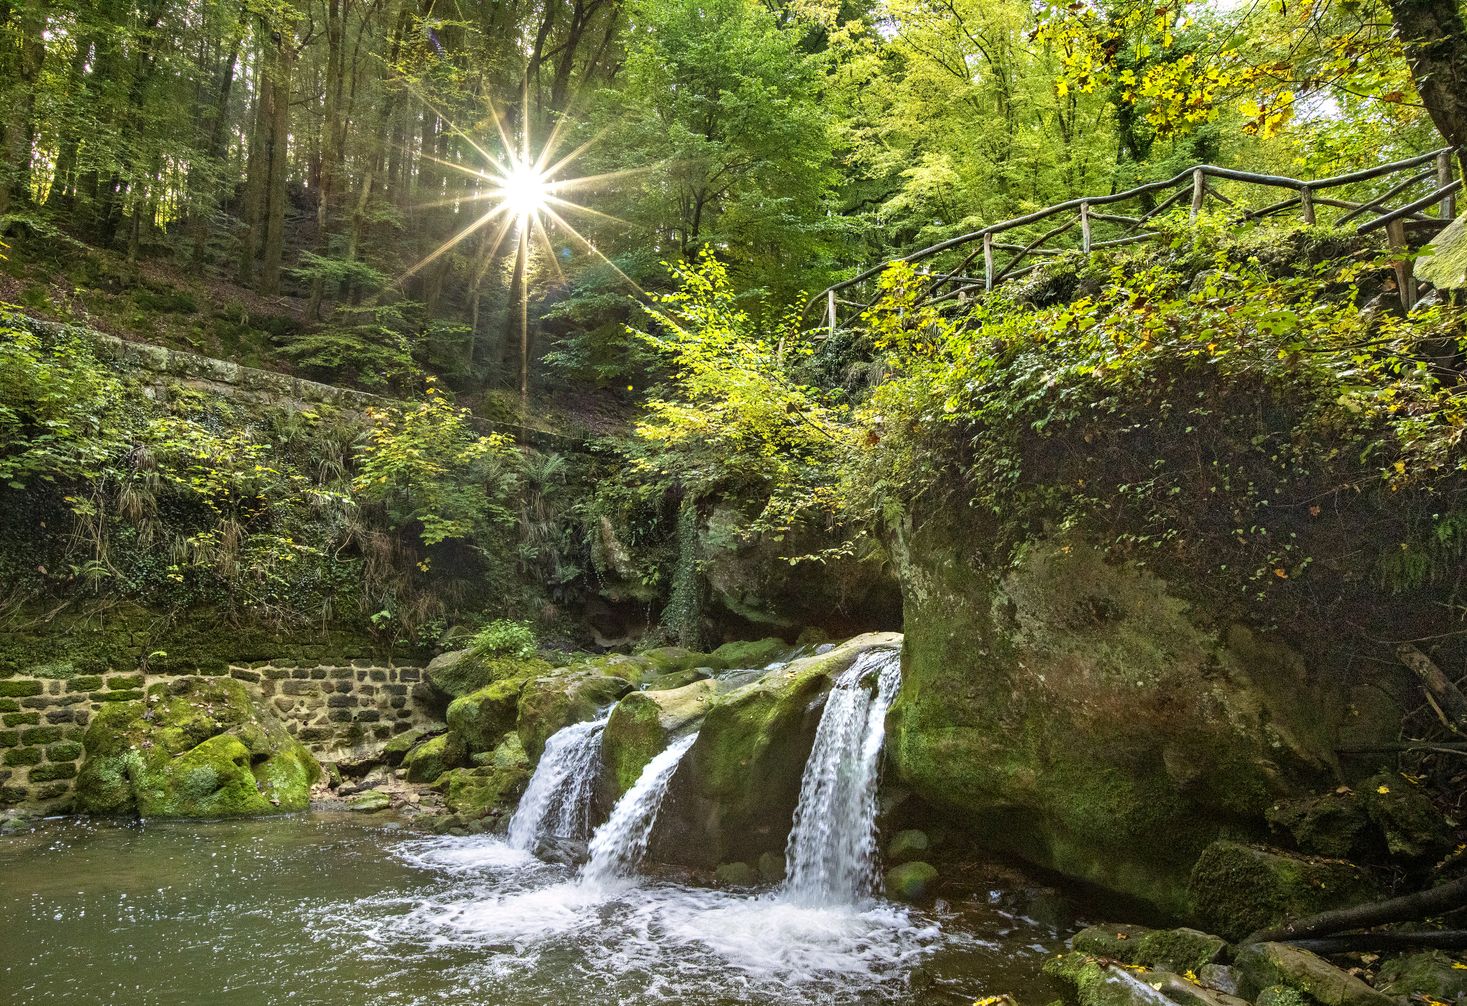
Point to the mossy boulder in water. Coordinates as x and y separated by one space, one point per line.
733 797
1240 889
1177 950
433 757
195 747
455 674
914 882
748 654
565 696
481 717
641 725
1068 710
488 790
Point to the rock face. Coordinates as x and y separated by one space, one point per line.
1070 711
1264 965
194 747
733 797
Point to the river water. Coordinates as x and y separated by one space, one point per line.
339 910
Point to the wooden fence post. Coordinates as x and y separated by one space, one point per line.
1085 227
1405 275
1199 190
1306 203
988 262
1445 172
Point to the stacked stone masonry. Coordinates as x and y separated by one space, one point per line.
337 709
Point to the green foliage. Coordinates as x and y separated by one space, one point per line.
434 475
368 355
504 637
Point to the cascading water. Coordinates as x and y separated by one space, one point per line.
557 801
831 854
619 844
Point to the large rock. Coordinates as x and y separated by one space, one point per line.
455 674
1069 711
733 797
481 717
194 747
1240 889
1176 950
433 757
1443 261
1264 965
641 725
564 696
912 882
1102 982
491 789
1431 975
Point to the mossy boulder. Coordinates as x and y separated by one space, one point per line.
736 875
431 758
676 679
914 882
195 747
1069 709
1411 825
641 725
397 747
1263 965
455 674
370 802
491 789
1239 889
907 845
1430 975
1334 824
1099 981
564 696
748 654
1443 261
481 717
733 797
1176 950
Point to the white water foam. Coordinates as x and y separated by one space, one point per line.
557 801
619 845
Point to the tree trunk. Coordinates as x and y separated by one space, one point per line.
19 124
272 252
1435 38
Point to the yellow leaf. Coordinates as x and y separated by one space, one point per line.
1382 789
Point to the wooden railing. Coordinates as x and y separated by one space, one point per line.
1389 196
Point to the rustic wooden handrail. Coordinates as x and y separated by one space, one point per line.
1198 183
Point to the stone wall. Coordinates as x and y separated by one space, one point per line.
338 708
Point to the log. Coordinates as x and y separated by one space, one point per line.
1448 897
1447 697
1432 939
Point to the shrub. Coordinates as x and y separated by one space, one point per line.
504 637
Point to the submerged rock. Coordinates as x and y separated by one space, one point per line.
907 845
195 747
736 875
1263 965
370 802
913 882
1240 889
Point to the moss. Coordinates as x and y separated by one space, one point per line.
197 748
1176 950
481 717
399 745
1281 995
1264 965
1239 889
8 705
65 751
23 756
1429 975
453 675
20 719
914 881
19 689
1412 825
748 654
40 735
49 773
565 696
641 725
433 757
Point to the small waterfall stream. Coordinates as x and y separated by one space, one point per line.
831 854
619 844
557 801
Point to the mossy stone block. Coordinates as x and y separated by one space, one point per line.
50 773
20 719
24 756
19 689
41 735
64 751
9 738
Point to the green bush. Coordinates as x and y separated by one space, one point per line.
504 637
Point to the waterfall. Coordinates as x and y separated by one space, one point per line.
619 844
557 801
831 853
